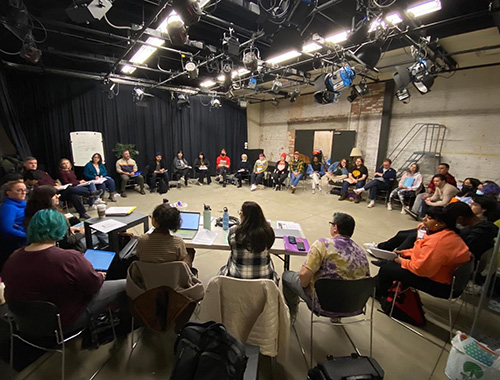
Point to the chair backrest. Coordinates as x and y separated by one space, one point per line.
343 296
462 275
37 319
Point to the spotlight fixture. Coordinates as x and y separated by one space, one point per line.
252 83
243 103
294 95
176 30
215 102
182 100
188 10
192 69
328 86
369 55
84 12
251 58
421 77
403 95
276 87
112 88
138 94
29 51
231 44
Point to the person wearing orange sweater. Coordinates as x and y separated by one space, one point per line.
430 264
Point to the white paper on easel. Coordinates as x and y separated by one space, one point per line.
107 225
205 237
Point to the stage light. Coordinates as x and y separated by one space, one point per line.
403 95
215 103
221 78
192 69
231 45
207 83
84 12
294 95
251 59
421 77
239 73
425 8
29 51
182 100
188 10
176 29
276 87
138 94
369 54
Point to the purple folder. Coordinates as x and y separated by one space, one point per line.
293 247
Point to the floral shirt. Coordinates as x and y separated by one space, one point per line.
337 258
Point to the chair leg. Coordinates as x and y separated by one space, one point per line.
112 325
300 345
350 340
394 299
63 360
371 322
311 343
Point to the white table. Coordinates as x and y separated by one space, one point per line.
221 243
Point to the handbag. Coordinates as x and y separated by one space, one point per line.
408 306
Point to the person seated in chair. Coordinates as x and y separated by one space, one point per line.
468 191
68 176
296 170
357 176
42 271
243 170
336 257
160 246
430 264
201 168
409 184
126 167
280 172
157 169
31 178
336 173
96 170
443 193
223 163
71 194
181 169
315 171
384 179
259 169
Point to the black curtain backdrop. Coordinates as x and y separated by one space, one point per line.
50 107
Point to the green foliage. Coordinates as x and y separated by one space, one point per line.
120 148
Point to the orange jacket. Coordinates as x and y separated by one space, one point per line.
437 256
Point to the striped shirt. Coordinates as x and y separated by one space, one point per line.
159 247
245 264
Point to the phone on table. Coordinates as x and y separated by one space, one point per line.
292 240
301 246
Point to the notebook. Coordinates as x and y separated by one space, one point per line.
120 211
100 260
189 226
382 253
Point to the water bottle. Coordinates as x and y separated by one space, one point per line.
225 220
207 217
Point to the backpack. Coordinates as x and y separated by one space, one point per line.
162 186
408 306
206 351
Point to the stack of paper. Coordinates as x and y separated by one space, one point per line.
120 211
107 225
205 237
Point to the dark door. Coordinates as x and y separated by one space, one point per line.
304 141
343 142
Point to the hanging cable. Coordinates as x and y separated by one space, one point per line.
116 26
9 53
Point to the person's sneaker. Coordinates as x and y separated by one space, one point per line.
142 192
100 201
152 190
370 245
320 188
371 204
293 190
123 195
358 191
253 188
389 206
379 262
313 191
199 183
239 185
178 184
224 184
403 210
358 199
343 197
85 216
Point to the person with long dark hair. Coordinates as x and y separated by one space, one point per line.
468 190
280 172
201 167
181 169
95 170
250 243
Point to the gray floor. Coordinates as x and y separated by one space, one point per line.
401 353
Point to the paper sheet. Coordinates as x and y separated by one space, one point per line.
107 225
62 187
282 225
205 237
120 211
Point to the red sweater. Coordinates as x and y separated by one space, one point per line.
227 159
64 277
437 256
68 176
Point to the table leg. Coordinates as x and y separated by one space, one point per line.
113 242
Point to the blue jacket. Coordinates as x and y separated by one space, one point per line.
333 167
310 170
389 176
12 218
89 172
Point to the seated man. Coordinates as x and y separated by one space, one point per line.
31 178
357 176
157 169
243 170
70 194
443 169
126 167
443 194
384 179
296 170
259 168
223 163
337 257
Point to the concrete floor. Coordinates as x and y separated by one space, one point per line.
402 354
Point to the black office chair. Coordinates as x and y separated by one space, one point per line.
35 321
347 297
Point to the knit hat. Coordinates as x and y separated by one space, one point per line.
283 155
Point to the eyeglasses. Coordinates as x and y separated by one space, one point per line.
332 223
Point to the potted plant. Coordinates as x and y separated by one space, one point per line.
120 148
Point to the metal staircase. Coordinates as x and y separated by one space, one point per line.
431 138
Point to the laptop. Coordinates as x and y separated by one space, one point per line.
100 260
381 253
280 232
189 226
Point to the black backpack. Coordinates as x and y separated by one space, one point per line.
162 187
206 351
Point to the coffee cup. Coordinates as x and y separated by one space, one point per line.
101 211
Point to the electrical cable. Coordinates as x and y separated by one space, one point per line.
116 26
10 53
376 2
31 17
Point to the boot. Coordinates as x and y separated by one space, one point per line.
358 198
343 196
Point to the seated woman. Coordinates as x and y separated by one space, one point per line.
12 232
315 171
467 191
485 208
430 264
201 168
250 243
409 185
160 246
46 197
259 169
181 169
336 173
357 176
95 170
42 271
67 176
280 172
243 171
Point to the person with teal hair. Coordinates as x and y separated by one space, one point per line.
42 271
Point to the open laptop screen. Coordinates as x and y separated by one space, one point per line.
190 220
